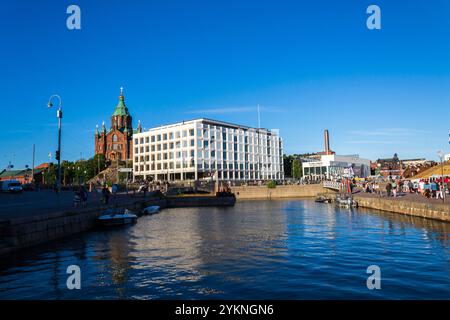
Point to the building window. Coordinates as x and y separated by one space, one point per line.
114 138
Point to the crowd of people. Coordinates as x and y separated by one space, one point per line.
428 188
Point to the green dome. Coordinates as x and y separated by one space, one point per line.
121 108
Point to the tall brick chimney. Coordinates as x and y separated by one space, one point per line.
326 136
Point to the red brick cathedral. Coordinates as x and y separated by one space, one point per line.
117 142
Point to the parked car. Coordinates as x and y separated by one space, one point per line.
11 186
28 187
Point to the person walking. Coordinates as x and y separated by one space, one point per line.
411 186
434 187
394 189
105 194
439 193
388 189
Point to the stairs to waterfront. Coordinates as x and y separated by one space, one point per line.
436 170
109 174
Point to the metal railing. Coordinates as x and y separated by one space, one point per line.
332 185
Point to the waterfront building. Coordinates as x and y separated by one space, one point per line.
388 166
336 166
327 164
208 149
116 143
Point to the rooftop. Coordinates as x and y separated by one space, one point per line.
213 122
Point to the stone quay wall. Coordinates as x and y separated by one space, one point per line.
290 191
435 211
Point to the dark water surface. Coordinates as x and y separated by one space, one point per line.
290 249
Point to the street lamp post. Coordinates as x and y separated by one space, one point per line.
440 154
59 116
58 153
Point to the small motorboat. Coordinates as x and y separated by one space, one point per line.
151 210
115 218
346 203
323 199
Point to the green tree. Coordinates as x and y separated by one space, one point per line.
287 164
296 169
99 163
271 184
68 172
50 175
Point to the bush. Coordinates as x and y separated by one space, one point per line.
271 184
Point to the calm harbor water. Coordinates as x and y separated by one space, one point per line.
290 249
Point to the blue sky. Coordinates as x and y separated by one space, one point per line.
310 65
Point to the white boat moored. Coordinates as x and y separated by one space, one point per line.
112 218
151 210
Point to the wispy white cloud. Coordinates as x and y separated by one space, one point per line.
383 136
225 110
385 142
18 131
388 132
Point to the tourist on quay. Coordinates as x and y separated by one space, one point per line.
421 188
427 189
410 186
439 193
114 188
84 195
394 189
105 194
76 199
434 188
376 189
388 189
416 187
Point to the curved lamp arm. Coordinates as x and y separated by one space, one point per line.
50 104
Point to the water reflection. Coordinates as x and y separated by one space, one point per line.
292 249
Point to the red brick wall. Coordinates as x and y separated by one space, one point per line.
123 145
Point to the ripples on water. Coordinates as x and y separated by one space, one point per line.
292 249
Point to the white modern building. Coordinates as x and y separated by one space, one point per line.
207 149
335 166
